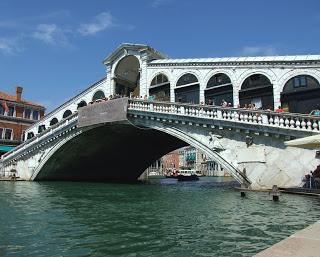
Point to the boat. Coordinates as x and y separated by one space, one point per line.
187 175
171 173
154 174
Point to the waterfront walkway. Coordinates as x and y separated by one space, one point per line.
304 243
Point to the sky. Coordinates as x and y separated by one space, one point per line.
55 49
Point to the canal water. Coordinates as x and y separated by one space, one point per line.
160 218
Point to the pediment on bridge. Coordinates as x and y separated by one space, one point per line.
133 49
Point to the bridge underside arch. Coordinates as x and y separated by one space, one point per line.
117 152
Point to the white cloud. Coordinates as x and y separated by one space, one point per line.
51 34
258 50
101 22
8 46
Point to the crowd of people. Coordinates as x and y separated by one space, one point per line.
312 179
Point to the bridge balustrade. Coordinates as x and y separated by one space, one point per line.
20 148
285 120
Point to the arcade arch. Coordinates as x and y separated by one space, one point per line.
219 88
53 121
98 95
66 114
301 94
187 89
160 88
127 76
257 89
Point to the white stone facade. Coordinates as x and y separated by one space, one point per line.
278 69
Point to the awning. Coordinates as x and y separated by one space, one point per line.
311 142
6 148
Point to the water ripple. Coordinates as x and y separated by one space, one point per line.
162 218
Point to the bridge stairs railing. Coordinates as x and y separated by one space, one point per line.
34 140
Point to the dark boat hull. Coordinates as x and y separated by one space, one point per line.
187 178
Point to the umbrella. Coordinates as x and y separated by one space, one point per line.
311 142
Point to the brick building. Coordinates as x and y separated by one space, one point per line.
171 160
16 115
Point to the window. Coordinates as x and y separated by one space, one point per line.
35 115
27 113
8 134
11 111
1 133
1 110
23 135
300 81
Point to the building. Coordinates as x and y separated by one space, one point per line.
16 115
170 161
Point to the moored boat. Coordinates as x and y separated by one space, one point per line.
187 175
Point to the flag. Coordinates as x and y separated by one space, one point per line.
5 106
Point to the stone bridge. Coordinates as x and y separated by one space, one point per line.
100 146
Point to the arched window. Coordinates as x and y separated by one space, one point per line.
160 88
53 121
187 89
257 90
219 89
82 104
301 94
98 95
66 114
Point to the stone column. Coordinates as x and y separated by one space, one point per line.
276 95
143 75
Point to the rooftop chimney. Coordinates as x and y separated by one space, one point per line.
19 93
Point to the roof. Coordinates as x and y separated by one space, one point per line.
11 98
294 58
136 47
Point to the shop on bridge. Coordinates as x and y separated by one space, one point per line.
301 94
187 89
160 88
219 89
258 90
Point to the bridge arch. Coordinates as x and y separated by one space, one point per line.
103 154
53 121
99 94
257 89
127 76
187 88
66 114
300 93
160 87
219 87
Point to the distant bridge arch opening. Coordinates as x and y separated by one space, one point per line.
127 76
219 88
53 121
301 94
98 95
66 114
187 89
257 89
160 88
82 104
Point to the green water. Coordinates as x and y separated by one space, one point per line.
162 218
